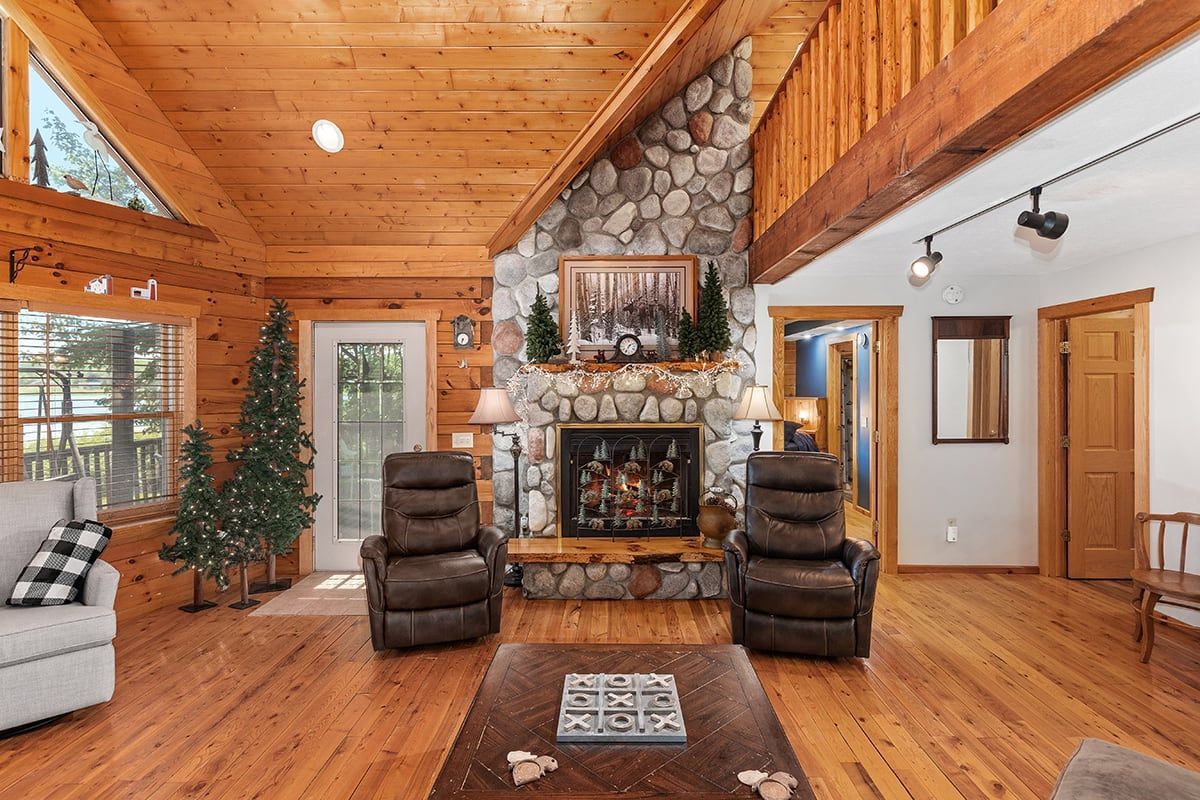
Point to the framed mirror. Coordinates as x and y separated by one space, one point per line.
970 379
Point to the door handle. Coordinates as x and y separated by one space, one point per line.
417 448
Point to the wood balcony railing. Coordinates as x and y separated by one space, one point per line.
859 60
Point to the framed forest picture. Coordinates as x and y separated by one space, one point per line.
618 295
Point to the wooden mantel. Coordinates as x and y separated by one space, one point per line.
1026 62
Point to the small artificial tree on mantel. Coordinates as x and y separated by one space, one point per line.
198 544
574 348
267 499
712 317
542 340
686 338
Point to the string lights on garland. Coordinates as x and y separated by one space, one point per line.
673 376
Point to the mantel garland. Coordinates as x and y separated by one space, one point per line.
675 374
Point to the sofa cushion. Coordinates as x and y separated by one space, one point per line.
28 509
801 589
1101 770
435 581
56 573
30 634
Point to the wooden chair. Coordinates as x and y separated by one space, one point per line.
1155 583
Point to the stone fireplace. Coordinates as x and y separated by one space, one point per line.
629 481
680 183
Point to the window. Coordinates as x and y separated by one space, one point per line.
69 154
84 396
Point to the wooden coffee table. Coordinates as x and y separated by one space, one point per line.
730 723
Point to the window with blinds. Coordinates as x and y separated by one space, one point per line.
85 396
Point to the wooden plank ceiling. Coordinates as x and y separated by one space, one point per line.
451 110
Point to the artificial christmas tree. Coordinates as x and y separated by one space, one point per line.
573 346
712 317
267 501
687 337
198 543
39 162
542 340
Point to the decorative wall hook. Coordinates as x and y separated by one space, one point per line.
17 257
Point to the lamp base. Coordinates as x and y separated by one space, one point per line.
514 575
756 432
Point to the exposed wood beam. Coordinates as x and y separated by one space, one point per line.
1026 62
697 35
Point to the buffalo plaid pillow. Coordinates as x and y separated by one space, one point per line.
55 575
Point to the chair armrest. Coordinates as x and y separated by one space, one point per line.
100 585
374 553
493 546
862 559
737 555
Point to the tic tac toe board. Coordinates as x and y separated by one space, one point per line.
621 708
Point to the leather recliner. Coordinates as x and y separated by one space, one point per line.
796 583
436 574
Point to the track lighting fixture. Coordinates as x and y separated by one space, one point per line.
1050 225
924 266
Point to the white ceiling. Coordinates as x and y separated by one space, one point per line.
1148 195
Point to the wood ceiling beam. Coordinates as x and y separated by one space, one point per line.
696 36
1026 62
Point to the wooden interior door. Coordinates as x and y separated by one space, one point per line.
1100 458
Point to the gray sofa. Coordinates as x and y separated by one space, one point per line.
53 659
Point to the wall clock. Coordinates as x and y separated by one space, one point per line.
953 294
629 348
863 339
464 332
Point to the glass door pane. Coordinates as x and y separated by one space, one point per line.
370 427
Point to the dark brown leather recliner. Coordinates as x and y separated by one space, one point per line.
796 583
435 575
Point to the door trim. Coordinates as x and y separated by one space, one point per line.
885 469
306 319
1052 462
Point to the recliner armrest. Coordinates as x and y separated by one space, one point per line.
862 559
374 552
493 546
737 555
100 585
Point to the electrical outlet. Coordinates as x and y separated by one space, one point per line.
462 441
952 530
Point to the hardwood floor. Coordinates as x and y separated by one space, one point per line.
978 687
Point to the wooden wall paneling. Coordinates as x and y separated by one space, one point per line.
854 49
16 137
873 64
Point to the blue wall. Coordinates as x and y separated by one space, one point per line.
811 355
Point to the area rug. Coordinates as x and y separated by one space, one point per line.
730 723
321 594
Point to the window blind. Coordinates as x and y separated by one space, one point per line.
85 396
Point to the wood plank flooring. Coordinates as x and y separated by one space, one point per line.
978 687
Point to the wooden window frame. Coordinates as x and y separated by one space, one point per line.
180 315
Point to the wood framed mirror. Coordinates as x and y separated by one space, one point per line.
970 380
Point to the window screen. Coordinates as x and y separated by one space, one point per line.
85 396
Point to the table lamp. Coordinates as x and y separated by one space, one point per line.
494 408
757 405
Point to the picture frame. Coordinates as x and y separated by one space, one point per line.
620 295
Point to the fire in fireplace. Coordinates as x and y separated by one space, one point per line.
629 481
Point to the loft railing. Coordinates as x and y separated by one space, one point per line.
858 61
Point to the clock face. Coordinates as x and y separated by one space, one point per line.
953 294
628 345
463 339
863 340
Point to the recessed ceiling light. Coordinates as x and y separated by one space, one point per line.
328 136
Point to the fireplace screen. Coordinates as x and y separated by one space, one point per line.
629 481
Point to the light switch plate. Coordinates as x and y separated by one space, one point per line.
465 441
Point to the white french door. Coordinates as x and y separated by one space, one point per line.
368 402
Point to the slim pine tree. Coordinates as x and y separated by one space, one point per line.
542 341
39 161
686 344
267 501
712 317
198 544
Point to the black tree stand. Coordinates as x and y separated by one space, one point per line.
246 601
271 584
198 602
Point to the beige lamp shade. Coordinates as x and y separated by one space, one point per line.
494 408
757 404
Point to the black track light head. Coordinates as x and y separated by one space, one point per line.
924 266
1050 225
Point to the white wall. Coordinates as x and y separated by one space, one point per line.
990 489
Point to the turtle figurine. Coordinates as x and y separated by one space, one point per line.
527 768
